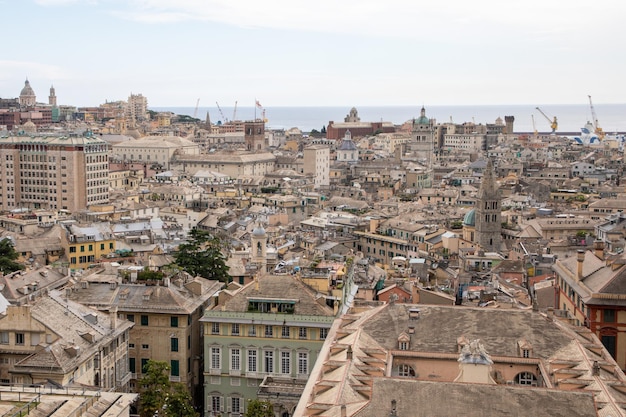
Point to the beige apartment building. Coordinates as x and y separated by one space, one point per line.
68 173
317 163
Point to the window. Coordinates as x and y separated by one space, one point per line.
131 365
19 338
215 358
235 359
609 316
405 370
72 249
215 328
130 317
252 330
403 345
174 344
269 361
131 346
145 346
302 333
525 353
252 358
285 362
144 365
235 405
303 363
216 403
323 333
173 321
526 378
285 332
174 368
144 320
4 338
234 330
269 331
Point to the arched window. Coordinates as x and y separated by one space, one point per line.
525 378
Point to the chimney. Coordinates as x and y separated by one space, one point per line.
349 353
580 257
113 317
596 368
598 248
344 413
393 409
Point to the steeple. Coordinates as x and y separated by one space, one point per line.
489 212
52 98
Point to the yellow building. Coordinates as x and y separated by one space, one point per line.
85 246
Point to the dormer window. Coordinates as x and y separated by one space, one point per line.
404 341
525 349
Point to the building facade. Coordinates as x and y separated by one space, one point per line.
317 163
271 329
488 218
68 173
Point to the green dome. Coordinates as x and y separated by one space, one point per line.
470 218
422 120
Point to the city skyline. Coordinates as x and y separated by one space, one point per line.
347 53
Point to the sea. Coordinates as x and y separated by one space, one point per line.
570 117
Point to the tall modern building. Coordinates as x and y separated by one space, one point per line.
137 107
488 218
68 173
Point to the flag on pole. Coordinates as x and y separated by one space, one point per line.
258 104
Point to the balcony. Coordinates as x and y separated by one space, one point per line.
174 378
123 380
235 372
215 371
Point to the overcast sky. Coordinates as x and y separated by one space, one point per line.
315 53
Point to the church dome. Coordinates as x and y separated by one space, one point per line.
470 218
258 231
27 90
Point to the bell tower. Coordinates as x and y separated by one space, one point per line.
488 212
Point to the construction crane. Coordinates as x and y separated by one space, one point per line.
535 133
553 123
224 119
235 112
596 125
195 112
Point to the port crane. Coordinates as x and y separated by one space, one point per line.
596 125
553 123
224 119
195 112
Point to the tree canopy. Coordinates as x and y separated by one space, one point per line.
158 394
258 408
8 255
202 255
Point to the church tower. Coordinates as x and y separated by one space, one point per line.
488 212
254 135
258 241
52 98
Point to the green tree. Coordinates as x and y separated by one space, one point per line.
202 255
159 394
179 402
258 408
155 387
8 255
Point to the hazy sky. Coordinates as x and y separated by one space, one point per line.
318 52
